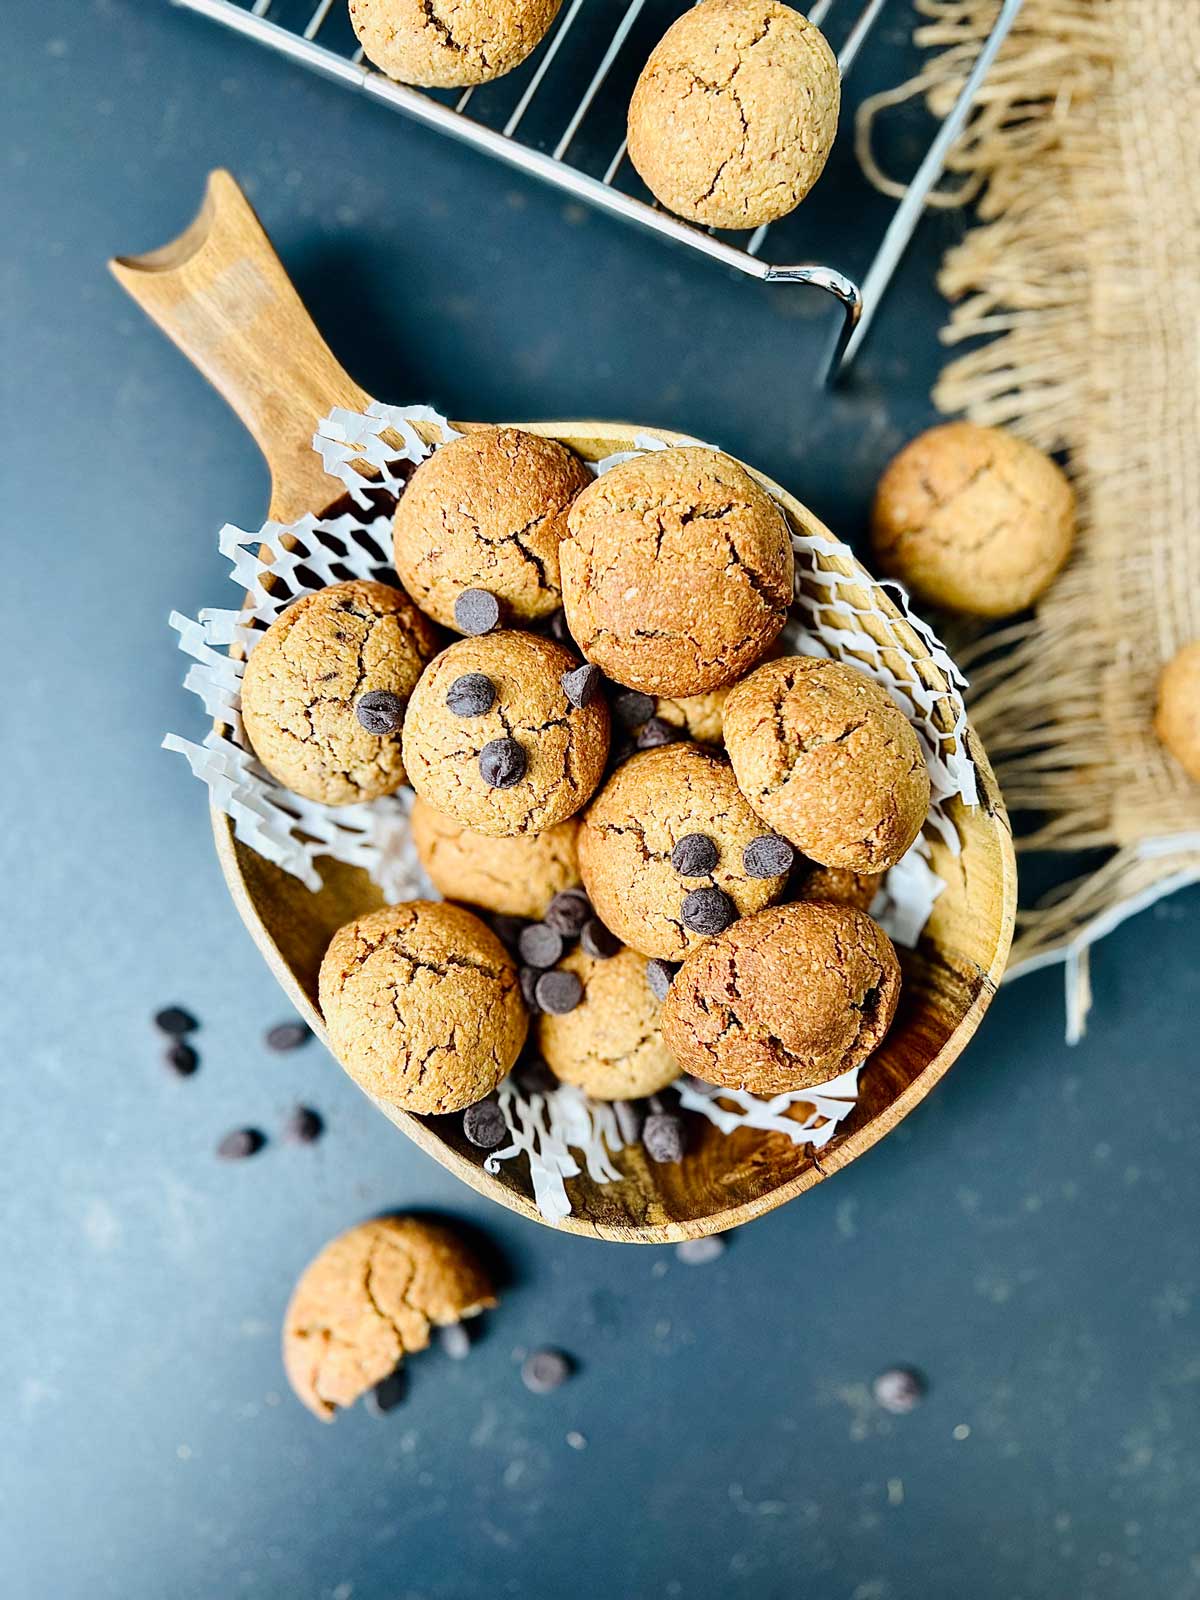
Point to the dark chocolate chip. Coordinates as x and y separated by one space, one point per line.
484 1124
534 1077
303 1126
630 1115
581 685
540 946
597 942
569 912
694 856
386 1396
528 977
664 1137
472 695
558 992
632 708
708 911
508 929
288 1036
559 628
239 1144
502 763
380 711
175 1021
477 611
768 856
899 1389
699 1252
660 975
181 1058
655 733
543 1370
455 1341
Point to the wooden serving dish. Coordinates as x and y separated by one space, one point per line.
220 292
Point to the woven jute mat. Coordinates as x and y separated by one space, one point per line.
1081 278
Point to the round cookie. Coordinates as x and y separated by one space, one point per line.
784 1000
448 44
529 761
846 888
676 571
735 112
369 1299
487 511
636 837
609 1045
827 757
697 716
422 1005
305 678
1177 718
973 519
517 876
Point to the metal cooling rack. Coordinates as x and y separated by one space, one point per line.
295 29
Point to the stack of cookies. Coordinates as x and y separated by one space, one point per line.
656 837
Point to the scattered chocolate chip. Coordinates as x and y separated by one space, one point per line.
699 1252
386 1396
660 975
558 992
899 1389
502 763
597 942
543 1370
694 856
632 708
654 733
582 684
619 751
540 945
528 977
455 1341
484 1124
708 911
508 929
181 1058
303 1126
559 628
288 1036
472 695
630 1115
175 1021
534 1077
569 912
380 711
477 611
664 1137
768 856
239 1144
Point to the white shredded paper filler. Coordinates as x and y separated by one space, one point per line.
562 1127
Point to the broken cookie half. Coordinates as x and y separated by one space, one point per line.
369 1299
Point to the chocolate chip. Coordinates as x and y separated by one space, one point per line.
699 1252
630 1115
660 975
455 1341
560 629
508 929
239 1144
380 711
477 611
655 733
502 763
303 1126
472 695
288 1036
175 1021
899 1389
386 1396
708 911
528 977
633 708
569 912
768 856
664 1137
484 1124
597 942
181 1059
694 856
582 684
540 946
558 992
534 1077
543 1370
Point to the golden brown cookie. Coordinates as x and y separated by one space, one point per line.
827 757
786 999
306 677
676 571
518 876
529 761
698 716
487 511
846 888
448 44
1177 719
663 851
423 1006
974 519
609 1045
735 113
369 1299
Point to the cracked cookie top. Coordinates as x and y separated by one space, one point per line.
735 113
423 1006
609 1045
449 44
630 851
531 760
784 1000
369 1299
676 571
306 675
487 511
825 755
517 876
974 519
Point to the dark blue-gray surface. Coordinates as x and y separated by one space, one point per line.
1028 1237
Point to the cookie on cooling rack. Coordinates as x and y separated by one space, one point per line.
609 1045
517 876
442 45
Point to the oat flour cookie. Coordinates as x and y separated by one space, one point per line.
609 1044
1177 719
448 44
518 876
846 888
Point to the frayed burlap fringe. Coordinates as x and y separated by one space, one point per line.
1082 280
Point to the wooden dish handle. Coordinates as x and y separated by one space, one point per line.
220 292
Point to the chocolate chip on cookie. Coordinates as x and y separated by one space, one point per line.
596 940
528 979
472 695
540 945
653 734
569 912
695 856
708 911
768 857
477 611
582 684
632 708
659 975
558 992
380 711
502 763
